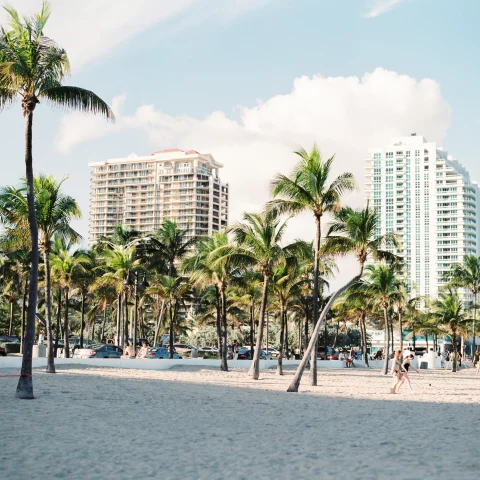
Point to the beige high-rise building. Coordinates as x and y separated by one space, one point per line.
141 192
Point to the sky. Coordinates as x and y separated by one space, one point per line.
251 81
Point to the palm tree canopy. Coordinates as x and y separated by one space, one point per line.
355 233
257 241
33 67
449 311
382 282
308 188
466 274
168 245
54 210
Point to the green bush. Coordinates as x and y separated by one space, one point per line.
11 347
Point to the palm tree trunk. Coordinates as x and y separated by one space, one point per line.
10 323
336 334
364 333
282 338
454 344
119 317
474 343
252 329
171 331
219 325
295 383
48 311
125 325
386 341
261 326
103 325
224 362
24 313
25 382
59 316
82 323
66 328
314 350
392 339
400 327
306 327
159 321
287 346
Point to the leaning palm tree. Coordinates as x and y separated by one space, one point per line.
33 67
354 234
54 211
310 189
467 275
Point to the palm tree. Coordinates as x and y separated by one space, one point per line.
32 67
65 266
309 188
355 233
205 271
467 275
257 244
286 282
448 311
173 290
382 282
120 262
54 211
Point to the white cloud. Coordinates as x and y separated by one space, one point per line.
90 29
344 115
382 6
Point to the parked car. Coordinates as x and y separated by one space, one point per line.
184 348
272 351
244 353
161 352
3 352
9 339
208 349
99 351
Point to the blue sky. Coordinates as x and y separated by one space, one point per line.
247 81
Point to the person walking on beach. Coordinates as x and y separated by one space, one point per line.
143 351
405 367
396 371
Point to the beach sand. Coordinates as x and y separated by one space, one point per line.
199 423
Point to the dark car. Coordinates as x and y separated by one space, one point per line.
9 339
161 352
244 353
3 352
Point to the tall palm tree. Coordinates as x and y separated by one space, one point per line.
467 275
382 282
32 67
120 262
257 244
204 271
173 290
310 188
54 211
351 232
65 266
449 312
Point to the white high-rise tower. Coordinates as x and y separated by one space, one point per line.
427 197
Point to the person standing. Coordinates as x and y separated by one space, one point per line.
405 367
476 357
396 371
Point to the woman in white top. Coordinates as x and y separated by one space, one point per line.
143 351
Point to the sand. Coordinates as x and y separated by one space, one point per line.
198 423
